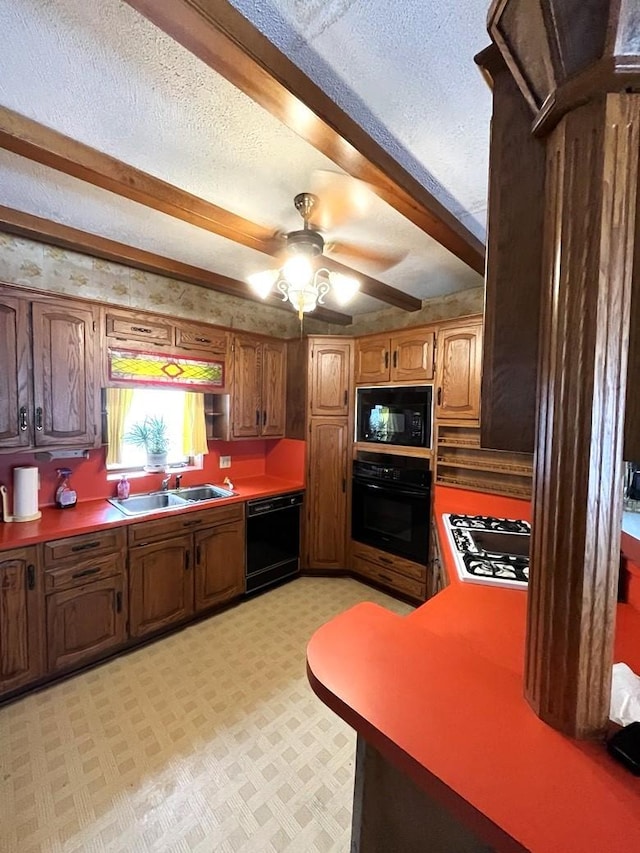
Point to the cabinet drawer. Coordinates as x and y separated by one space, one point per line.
203 338
389 578
389 561
84 572
59 551
134 329
183 522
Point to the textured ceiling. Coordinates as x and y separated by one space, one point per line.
102 74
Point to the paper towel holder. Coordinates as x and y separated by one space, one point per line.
5 509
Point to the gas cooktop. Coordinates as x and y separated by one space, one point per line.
490 550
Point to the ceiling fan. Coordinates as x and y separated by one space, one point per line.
303 279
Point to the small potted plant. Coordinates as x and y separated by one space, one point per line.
152 434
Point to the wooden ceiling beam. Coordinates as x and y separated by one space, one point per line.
215 32
28 138
46 231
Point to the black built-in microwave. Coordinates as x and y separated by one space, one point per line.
401 416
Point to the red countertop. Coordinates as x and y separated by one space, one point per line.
88 516
439 693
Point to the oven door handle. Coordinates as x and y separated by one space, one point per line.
412 493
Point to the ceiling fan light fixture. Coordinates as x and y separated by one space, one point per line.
298 270
344 287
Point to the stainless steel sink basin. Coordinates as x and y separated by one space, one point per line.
145 504
203 493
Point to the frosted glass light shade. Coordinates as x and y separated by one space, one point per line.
262 282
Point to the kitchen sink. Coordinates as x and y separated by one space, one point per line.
173 499
203 493
145 504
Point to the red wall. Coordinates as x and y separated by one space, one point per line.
276 458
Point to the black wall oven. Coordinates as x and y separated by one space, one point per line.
390 505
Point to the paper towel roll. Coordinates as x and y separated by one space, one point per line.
25 493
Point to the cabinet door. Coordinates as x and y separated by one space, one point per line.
247 386
373 360
326 498
85 622
412 356
330 366
21 619
459 373
274 381
65 369
219 568
16 422
160 585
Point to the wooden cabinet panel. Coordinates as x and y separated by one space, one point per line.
412 356
21 618
79 574
247 376
219 565
15 389
85 622
402 357
160 585
387 577
326 520
389 561
145 532
65 362
274 379
60 551
372 360
130 326
330 366
459 372
200 337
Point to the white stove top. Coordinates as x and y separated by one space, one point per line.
489 550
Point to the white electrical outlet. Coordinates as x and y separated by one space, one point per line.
225 462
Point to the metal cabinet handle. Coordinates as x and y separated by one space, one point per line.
31 576
198 554
39 418
264 417
257 417
385 577
23 419
344 485
345 397
385 560
187 560
395 358
386 358
86 546
439 397
191 523
85 573
118 602
203 340
142 329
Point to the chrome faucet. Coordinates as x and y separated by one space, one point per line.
178 480
165 483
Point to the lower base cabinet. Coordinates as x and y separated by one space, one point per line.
219 565
396 573
86 622
21 607
160 585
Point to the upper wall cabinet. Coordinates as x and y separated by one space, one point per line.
459 372
49 394
330 371
402 357
259 387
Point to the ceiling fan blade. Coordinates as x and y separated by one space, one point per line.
341 199
377 259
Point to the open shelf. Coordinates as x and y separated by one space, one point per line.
461 462
392 449
217 409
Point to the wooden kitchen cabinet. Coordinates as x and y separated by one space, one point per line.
459 372
49 390
219 565
259 387
85 622
21 619
405 356
160 585
86 597
330 377
326 498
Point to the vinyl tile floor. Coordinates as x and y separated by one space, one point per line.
209 740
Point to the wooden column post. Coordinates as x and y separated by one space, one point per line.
591 181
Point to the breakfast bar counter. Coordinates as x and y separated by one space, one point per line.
438 697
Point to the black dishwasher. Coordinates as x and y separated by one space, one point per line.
273 540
